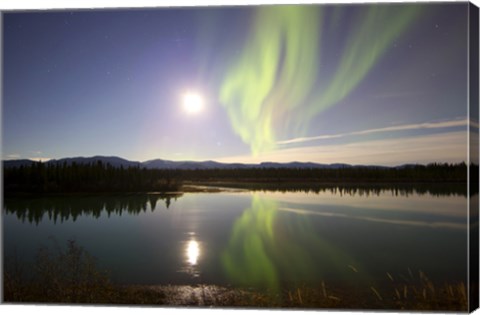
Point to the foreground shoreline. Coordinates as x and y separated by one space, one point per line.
406 297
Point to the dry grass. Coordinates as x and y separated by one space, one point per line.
70 276
450 297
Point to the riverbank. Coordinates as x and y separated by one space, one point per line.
438 189
407 297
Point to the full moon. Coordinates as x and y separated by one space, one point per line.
192 103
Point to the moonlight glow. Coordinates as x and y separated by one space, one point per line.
192 251
192 103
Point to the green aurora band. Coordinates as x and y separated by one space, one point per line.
267 245
278 69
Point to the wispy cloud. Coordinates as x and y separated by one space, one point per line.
39 159
448 147
426 125
420 204
434 224
36 156
12 156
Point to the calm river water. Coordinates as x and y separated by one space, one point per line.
252 239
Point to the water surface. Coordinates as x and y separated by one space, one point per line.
251 239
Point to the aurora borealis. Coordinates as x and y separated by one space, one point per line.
362 84
260 240
277 74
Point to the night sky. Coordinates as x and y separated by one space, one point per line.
359 84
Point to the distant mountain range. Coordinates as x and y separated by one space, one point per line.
186 165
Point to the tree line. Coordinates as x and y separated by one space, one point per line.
103 177
355 174
63 208
84 177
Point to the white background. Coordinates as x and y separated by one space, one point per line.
74 310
